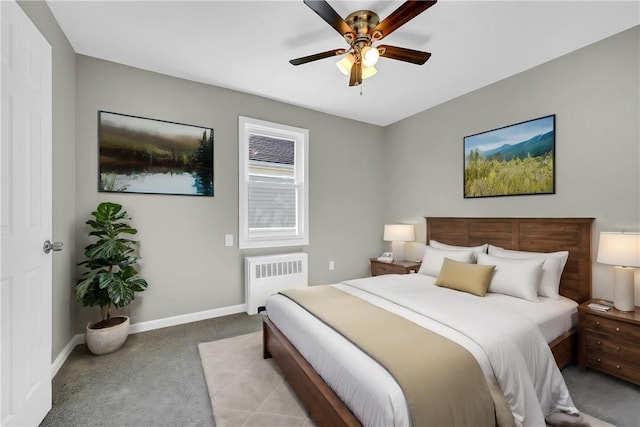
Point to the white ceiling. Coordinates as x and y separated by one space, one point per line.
246 45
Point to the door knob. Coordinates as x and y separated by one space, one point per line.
48 246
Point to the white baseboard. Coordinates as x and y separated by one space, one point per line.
64 354
185 318
148 326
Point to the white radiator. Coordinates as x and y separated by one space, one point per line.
266 275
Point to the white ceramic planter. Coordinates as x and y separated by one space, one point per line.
107 340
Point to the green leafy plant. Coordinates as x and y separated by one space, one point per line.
111 279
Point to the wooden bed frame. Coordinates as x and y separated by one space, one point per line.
525 234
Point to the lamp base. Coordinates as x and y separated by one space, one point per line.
398 251
623 288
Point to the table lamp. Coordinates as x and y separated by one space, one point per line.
398 234
621 250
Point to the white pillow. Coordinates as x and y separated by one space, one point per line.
516 277
433 258
482 249
552 268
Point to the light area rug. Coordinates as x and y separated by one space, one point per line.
249 391
245 389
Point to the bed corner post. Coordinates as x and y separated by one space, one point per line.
265 338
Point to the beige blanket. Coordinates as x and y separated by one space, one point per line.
442 382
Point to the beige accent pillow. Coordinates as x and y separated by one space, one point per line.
471 278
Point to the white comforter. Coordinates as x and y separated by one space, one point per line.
520 358
508 347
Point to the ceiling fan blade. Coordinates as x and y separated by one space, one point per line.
331 17
317 56
404 54
401 16
356 74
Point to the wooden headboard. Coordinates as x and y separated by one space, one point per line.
527 234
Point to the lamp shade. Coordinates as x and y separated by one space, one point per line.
399 233
621 249
368 72
345 64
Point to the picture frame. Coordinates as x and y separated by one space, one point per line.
513 160
150 156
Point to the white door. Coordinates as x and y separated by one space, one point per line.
25 218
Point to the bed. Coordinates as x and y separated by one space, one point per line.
523 234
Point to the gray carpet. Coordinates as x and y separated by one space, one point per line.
603 396
156 379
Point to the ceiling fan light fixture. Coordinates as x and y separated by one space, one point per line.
370 56
345 64
368 72
360 30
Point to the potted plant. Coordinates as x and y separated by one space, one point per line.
111 279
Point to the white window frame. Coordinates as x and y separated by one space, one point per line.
273 238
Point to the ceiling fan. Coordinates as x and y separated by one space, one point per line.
360 30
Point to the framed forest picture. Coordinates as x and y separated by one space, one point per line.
140 155
513 160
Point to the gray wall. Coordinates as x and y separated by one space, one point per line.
594 93
397 174
64 71
182 238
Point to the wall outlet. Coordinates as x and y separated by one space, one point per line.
228 240
332 266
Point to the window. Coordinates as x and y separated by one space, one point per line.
273 194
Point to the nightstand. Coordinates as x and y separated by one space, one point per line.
397 267
610 341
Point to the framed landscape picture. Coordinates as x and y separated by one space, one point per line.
513 160
139 155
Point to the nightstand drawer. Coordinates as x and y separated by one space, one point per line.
610 341
610 346
382 268
620 368
623 330
398 267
